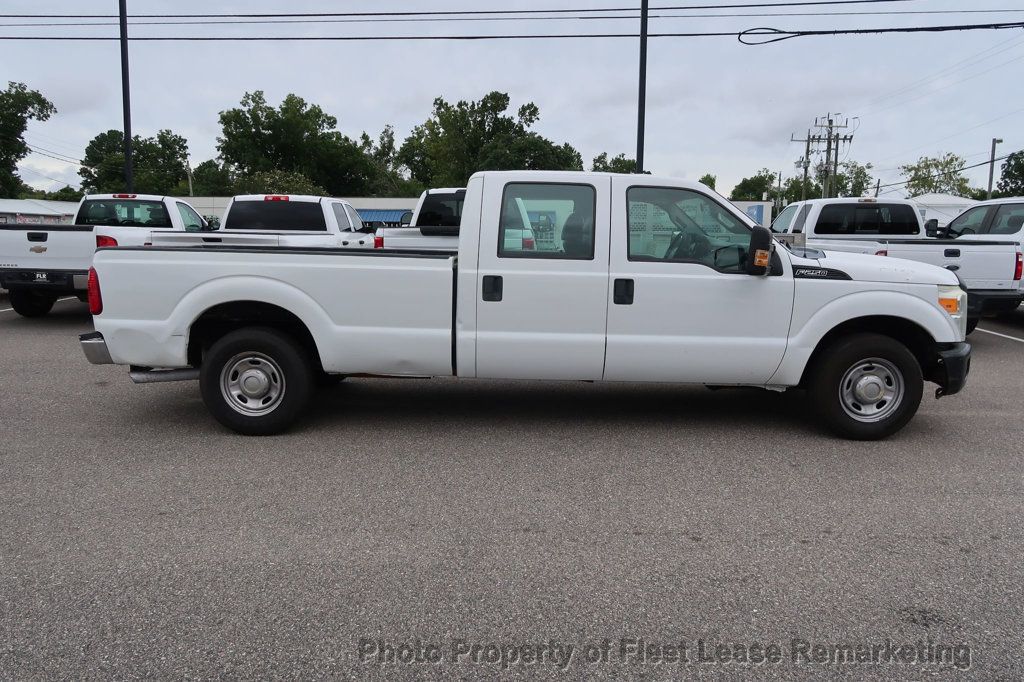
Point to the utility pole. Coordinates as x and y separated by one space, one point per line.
129 181
826 189
188 172
642 104
833 143
992 165
805 162
878 186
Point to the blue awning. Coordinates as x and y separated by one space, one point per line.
380 215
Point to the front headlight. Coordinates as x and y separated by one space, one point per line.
953 300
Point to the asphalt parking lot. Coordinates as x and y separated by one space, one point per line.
140 538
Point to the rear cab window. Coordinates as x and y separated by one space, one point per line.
856 219
123 212
276 216
441 210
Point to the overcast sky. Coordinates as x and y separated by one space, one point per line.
714 105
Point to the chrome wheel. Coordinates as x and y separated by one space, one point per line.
871 390
252 384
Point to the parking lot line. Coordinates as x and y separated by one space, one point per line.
1005 336
66 298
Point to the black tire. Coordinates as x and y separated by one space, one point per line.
325 380
276 362
846 355
972 324
31 303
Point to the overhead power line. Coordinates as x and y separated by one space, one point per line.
955 171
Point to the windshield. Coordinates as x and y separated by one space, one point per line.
784 219
124 212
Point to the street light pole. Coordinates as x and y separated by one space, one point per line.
992 165
642 104
129 181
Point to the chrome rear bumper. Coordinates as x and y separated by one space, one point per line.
95 348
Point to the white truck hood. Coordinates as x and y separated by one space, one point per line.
870 268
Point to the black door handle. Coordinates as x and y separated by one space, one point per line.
622 292
953 268
951 253
37 236
212 240
492 287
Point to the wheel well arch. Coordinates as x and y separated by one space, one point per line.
912 335
224 318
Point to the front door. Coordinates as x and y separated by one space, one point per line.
682 307
543 280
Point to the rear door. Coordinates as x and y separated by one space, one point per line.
542 308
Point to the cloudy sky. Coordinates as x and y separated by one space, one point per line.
714 105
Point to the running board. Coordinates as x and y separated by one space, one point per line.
145 375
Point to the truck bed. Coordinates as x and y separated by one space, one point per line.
378 312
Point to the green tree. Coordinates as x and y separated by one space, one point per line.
463 138
278 182
755 187
794 189
66 193
1011 178
708 180
295 137
18 105
941 174
158 163
854 179
617 164
390 177
209 179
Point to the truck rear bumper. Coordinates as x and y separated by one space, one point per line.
984 303
951 367
95 348
53 281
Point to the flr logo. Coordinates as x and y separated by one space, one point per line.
38 249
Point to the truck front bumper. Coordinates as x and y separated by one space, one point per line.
53 281
995 302
95 348
951 365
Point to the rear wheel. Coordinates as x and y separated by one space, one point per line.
866 386
31 303
256 381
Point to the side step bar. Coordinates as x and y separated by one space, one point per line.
147 375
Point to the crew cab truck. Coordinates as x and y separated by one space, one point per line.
989 269
647 279
39 264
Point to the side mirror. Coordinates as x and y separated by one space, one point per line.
759 254
406 219
931 227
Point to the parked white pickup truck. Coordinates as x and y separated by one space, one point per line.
38 264
989 269
647 279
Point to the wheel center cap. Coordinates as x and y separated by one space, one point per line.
869 389
254 383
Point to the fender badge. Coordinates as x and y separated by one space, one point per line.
38 249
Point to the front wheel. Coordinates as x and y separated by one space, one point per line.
866 386
256 381
31 303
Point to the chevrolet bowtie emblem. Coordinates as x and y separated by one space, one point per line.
38 249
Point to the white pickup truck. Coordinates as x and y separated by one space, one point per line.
39 264
647 279
989 269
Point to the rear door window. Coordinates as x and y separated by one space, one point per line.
1009 219
867 219
123 212
277 216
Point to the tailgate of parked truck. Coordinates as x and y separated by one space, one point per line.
46 247
985 265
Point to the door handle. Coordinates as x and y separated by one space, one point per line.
951 253
212 240
953 268
492 287
622 292
37 236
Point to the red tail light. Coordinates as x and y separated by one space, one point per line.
103 242
1020 266
528 244
883 252
275 197
95 297
378 241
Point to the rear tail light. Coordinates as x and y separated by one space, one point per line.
883 252
275 197
125 196
528 244
1020 266
378 241
103 242
95 297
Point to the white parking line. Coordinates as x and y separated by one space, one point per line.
1005 336
66 298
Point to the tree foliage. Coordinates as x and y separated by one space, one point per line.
158 163
941 174
278 182
708 180
463 138
755 187
616 164
18 105
1011 179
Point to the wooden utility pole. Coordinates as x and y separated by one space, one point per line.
641 110
129 180
992 165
